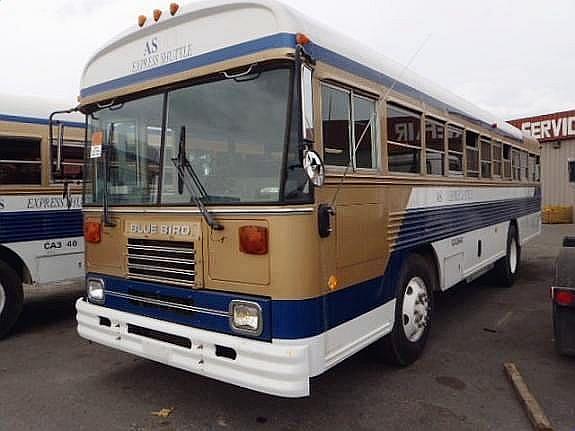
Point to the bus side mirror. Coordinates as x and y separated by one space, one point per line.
314 168
307 104
59 146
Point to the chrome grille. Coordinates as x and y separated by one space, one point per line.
171 262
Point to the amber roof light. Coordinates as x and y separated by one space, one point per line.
174 8
157 14
142 20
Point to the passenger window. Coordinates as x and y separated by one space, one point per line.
524 166
516 164
72 160
455 147
485 158
340 129
364 132
336 112
497 159
403 140
472 152
20 161
507 171
435 147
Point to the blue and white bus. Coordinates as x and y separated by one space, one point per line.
41 241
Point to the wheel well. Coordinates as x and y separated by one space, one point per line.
428 253
16 263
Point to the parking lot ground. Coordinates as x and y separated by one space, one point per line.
50 379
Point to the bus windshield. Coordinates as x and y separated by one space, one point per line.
235 134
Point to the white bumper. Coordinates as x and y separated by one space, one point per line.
276 369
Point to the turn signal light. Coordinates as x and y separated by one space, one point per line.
157 14
93 231
174 8
142 20
564 297
254 240
302 39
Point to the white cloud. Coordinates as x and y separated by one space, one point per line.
510 57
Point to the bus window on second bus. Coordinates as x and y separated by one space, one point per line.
20 162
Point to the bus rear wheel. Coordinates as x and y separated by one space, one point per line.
11 298
413 312
507 268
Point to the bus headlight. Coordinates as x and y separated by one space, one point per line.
246 317
95 290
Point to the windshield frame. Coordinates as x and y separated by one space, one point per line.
288 141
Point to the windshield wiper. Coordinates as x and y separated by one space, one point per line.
107 150
187 172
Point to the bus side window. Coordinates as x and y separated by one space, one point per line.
72 160
20 161
336 112
403 140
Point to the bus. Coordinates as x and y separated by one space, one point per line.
41 238
264 196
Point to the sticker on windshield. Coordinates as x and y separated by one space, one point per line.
96 147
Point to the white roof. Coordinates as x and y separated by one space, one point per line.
34 108
212 25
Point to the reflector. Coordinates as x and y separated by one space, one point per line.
93 231
565 297
254 240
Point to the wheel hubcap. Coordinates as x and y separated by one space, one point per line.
2 298
415 312
513 256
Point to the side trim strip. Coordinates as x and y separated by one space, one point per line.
188 210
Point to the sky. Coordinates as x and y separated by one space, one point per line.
513 58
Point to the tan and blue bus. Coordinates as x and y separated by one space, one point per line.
265 197
41 240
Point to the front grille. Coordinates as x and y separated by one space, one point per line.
171 262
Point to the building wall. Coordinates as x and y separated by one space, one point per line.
556 188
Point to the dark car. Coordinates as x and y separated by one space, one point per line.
563 294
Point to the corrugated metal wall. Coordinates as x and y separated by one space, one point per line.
556 188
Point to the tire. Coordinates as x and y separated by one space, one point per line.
507 268
406 342
11 298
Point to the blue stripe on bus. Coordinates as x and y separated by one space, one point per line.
283 319
206 299
35 120
426 225
296 319
24 226
279 40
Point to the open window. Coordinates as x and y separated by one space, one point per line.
507 171
349 126
403 140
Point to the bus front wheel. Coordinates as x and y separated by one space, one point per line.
413 312
11 298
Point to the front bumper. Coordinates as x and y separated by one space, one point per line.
275 369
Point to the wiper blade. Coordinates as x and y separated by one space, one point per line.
187 172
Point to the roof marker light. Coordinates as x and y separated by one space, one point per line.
302 39
142 20
174 8
157 14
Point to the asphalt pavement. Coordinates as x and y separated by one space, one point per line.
51 379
